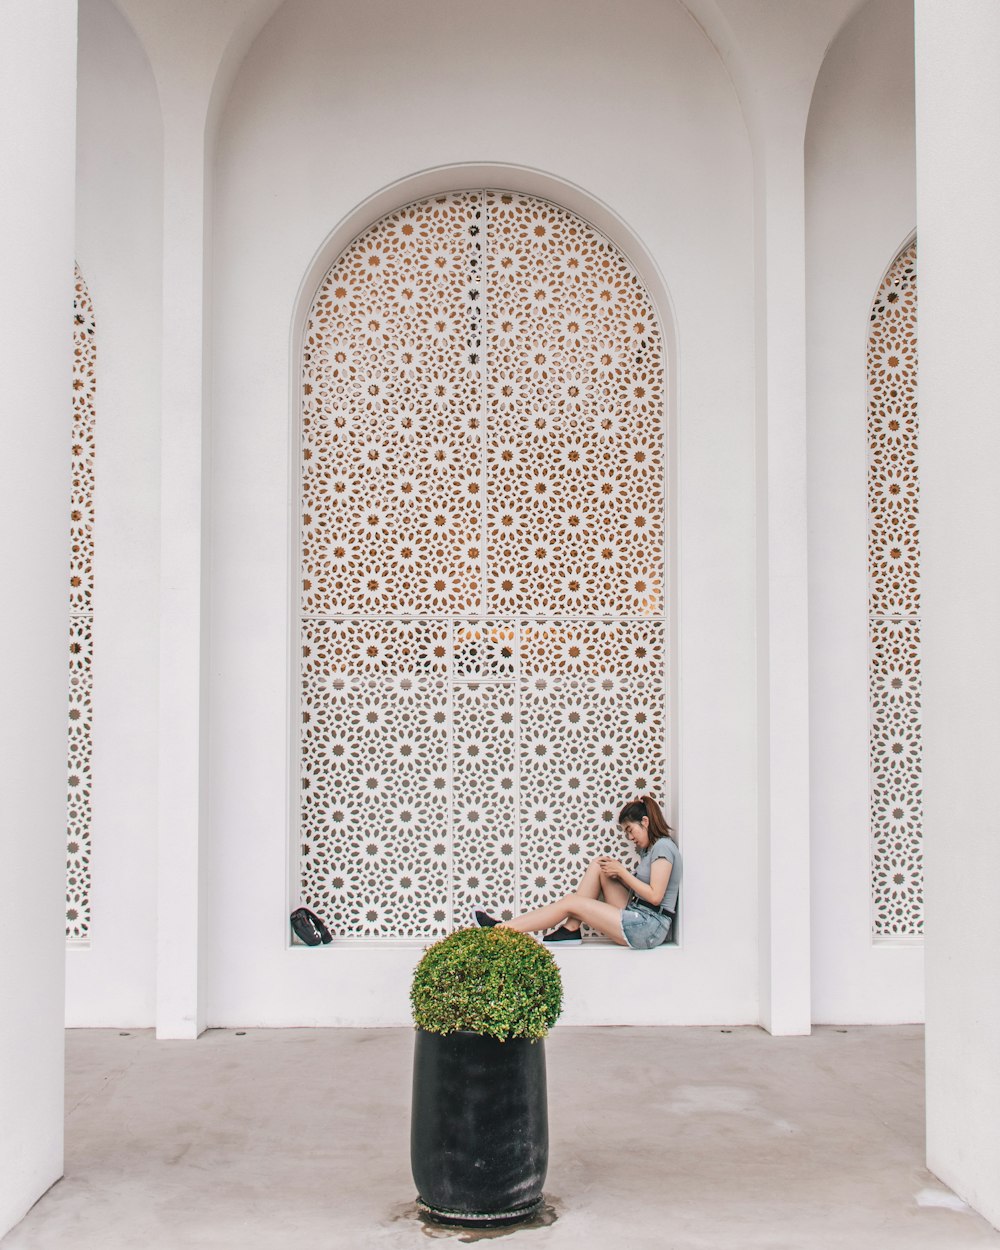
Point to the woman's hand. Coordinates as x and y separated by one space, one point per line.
612 867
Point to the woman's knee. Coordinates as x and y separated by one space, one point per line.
573 901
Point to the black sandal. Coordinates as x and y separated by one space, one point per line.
308 927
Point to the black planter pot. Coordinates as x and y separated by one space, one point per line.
479 1128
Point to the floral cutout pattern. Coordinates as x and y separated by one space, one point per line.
81 591
894 605
482 559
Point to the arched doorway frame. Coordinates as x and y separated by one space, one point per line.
436 181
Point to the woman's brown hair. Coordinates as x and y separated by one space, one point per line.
647 806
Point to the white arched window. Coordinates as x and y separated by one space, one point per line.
482 610
81 604
894 604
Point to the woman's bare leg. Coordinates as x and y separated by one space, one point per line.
593 885
604 917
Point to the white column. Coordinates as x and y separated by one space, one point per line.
195 50
37 159
183 565
782 586
958 228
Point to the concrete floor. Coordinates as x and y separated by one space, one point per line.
670 1138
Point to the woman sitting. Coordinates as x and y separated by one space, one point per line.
634 909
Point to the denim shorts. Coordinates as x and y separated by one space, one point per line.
643 928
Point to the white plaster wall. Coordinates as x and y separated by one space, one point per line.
957 51
860 210
630 109
118 247
37 126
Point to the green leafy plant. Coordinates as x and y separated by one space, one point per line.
492 981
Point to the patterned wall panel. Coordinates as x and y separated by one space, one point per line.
575 441
482 553
81 589
894 604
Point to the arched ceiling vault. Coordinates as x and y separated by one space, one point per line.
772 50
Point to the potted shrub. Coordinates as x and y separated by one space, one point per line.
483 1000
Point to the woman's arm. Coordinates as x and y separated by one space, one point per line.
659 877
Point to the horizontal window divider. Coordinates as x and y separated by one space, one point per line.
345 618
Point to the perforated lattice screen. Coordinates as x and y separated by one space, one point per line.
894 604
81 589
482 554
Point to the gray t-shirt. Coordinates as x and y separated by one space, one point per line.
662 848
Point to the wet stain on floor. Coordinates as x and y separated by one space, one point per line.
409 1212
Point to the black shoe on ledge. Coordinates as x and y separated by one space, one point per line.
484 920
564 936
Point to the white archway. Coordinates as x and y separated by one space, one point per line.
495 543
